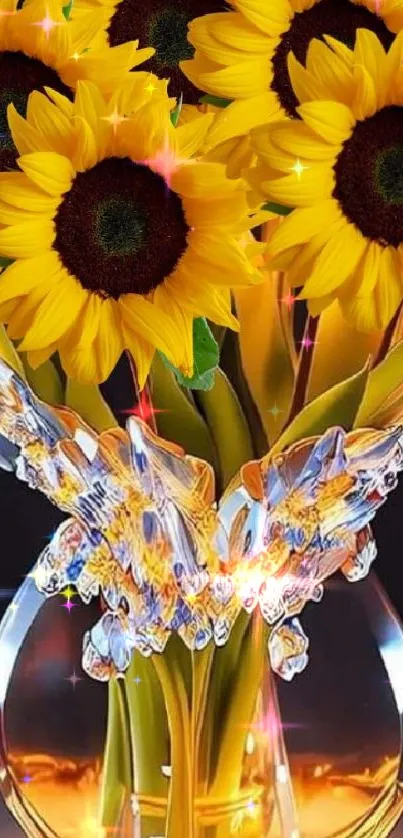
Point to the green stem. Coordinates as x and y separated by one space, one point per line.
240 712
180 817
117 773
148 734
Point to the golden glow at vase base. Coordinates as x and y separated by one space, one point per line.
326 794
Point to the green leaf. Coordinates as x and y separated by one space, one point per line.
216 101
382 403
337 407
206 357
177 418
175 114
44 381
278 209
87 400
67 10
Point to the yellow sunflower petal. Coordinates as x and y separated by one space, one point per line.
370 54
272 20
84 29
298 139
12 215
302 225
242 116
28 239
331 120
23 275
50 122
50 171
222 212
306 86
204 300
374 310
301 189
228 261
25 137
365 102
330 71
36 359
232 29
107 344
172 306
55 315
238 81
23 316
142 353
17 190
143 317
336 263
200 180
191 136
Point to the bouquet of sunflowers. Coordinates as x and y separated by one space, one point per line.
214 190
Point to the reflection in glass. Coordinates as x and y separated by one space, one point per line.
341 723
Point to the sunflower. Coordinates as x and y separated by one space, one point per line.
243 54
340 165
161 24
39 48
120 237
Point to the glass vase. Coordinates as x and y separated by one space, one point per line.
207 744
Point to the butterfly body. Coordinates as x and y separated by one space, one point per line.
146 535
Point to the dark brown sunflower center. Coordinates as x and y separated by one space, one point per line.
120 229
339 18
369 177
19 76
162 24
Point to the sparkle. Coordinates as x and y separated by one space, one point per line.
288 300
275 411
299 168
137 680
75 56
144 409
68 605
150 87
74 679
306 342
165 162
26 779
47 24
68 593
114 119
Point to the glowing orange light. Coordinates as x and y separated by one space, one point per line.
114 119
165 162
288 300
47 24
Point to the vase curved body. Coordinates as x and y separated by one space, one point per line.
207 747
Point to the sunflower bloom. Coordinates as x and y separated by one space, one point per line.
40 49
120 238
243 54
340 165
160 24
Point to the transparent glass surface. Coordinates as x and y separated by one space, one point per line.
330 741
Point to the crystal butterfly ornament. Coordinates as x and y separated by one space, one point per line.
145 533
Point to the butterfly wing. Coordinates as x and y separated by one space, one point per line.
313 518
